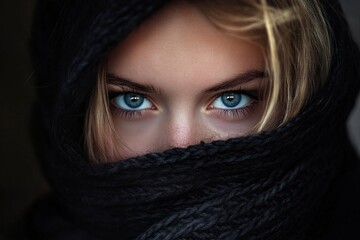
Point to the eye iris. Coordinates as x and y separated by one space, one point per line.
231 99
133 100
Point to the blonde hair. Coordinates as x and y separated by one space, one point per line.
296 43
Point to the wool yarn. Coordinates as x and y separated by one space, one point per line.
277 184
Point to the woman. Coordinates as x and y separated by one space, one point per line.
181 55
194 119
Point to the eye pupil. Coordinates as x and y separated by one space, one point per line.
231 99
133 100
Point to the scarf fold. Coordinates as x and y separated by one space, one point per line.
278 184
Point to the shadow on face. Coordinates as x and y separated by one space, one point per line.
177 80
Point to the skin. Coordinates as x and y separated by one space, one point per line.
181 55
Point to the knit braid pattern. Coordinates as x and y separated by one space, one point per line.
211 191
277 184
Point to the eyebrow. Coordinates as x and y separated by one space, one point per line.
238 79
119 81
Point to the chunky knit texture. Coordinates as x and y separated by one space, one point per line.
280 184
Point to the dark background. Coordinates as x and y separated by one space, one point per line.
20 178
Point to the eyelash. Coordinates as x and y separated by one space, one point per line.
234 113
126 114
123 113
241 112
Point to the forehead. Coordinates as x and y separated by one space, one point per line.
179 44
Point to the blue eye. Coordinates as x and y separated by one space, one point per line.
231 100
132 101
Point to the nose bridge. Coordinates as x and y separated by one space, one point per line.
181 129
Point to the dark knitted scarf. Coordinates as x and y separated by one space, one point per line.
280 184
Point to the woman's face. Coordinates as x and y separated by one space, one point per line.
177 80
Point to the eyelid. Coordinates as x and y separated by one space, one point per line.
121 90
236 114
116 89
112 94
254 94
